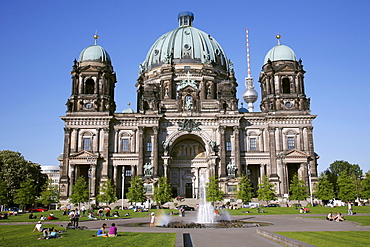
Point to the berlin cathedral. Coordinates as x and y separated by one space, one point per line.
187 123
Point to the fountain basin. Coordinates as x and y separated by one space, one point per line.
218 224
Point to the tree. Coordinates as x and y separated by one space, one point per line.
14 170
298 189
49 194
107 193
136 192
162 193
324 188
80 191
347 188
213 190
245 190
338 167
3 193
266 191
365 184
26 194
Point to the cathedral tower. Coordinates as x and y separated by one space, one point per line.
282 83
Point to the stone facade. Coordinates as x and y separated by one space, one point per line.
187 125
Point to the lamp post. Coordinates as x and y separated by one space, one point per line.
89 181
309 180
90 162
123 185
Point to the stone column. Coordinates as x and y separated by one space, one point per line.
222 152
105 163
66 150
301 139
311 152
115 174
72 176
237 149
262 172
133 148
261 142
141 152
93 179
165 165
280 139
272 147
155 151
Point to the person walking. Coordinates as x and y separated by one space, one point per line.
350 212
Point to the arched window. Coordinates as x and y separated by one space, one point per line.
286 85
89 86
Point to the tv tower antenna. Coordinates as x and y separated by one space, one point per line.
250 95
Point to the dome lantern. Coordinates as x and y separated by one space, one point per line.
185 18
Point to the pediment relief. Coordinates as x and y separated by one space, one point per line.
285 67
83 155
296 154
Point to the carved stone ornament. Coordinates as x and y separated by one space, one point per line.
148 169
189 125
231 168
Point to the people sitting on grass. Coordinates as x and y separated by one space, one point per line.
42 218
339 217
3 217
112 231
101 231
49 234
52 217
116 214
304 210
31 216
38 227
91 216
330 216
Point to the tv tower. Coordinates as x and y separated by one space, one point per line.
250 95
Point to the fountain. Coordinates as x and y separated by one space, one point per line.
206 212
205 216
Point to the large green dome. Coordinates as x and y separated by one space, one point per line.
185 44
280 53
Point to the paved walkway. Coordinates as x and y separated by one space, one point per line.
232 236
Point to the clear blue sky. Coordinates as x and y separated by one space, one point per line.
40 40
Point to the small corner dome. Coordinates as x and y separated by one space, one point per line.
280 53
94 53
128 110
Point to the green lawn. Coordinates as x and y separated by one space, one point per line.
22 235
292 210
337 239
23 217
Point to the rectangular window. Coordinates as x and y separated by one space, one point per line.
228 146
231 189
125 146
149 147
87 144
186 68
253 144
128 173
148 189
290 142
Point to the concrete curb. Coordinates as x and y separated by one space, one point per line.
282 239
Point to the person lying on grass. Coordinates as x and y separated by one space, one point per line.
53 234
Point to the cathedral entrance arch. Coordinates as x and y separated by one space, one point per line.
188 155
